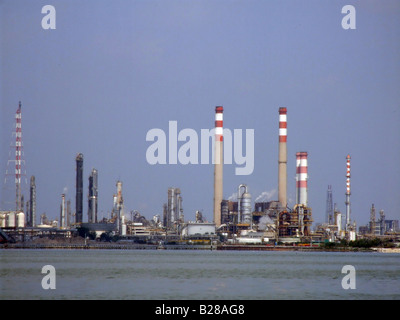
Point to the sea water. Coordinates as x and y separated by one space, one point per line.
197 274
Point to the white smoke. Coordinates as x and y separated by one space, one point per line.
65 190
290 199
264 221
266 196
233 197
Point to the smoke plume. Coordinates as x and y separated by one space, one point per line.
264 221
266 196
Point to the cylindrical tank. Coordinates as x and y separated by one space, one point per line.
10 220
123 230
245 207
21 220
2 220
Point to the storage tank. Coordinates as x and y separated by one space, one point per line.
3 220
10 220
21 220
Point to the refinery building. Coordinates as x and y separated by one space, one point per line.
237 222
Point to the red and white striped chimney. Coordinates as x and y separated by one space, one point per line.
348 175
219 124
282 161
348 192
301 178
218 164
18 156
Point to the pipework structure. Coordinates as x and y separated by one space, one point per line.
218 164
173 210
282 161
329 219
79 189
92 198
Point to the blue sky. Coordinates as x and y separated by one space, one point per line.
113 70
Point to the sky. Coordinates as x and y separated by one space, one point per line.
111 71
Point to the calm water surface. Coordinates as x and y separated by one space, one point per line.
193 275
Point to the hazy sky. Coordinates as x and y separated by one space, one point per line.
113 70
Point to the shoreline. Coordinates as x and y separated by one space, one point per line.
117 246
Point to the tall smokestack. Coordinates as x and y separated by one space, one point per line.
218 164
301 178
282 162
347 192
79 188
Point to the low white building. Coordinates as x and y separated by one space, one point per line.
198 229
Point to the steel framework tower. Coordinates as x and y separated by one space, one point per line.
17 170
18 156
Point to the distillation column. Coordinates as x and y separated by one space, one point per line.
79 189
92 203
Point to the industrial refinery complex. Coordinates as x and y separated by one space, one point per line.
235 223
